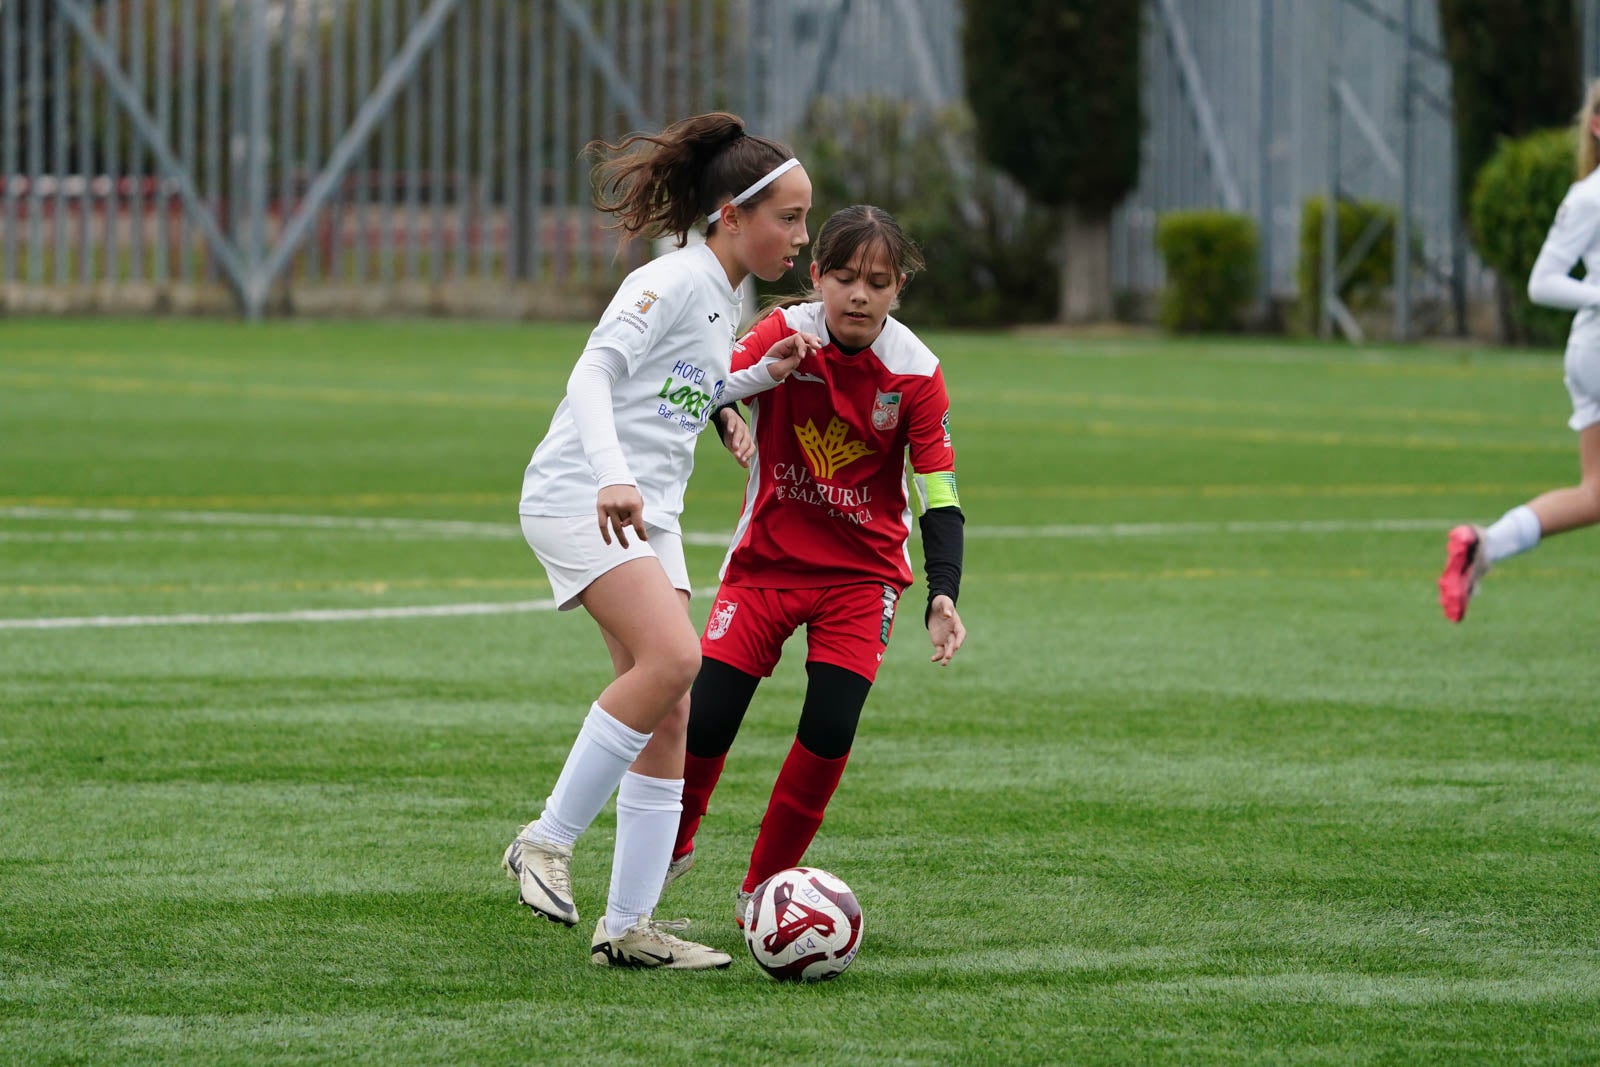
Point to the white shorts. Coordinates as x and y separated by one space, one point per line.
1582 375
574 555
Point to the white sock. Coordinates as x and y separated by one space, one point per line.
599 758
1517 531
648 810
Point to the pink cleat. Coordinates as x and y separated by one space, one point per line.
1464 565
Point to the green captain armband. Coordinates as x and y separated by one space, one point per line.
938 490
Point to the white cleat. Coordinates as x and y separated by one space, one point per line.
677 869
648 944
541 870
741 905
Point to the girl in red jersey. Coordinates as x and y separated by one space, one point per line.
821 539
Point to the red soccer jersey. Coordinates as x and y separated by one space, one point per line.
826 500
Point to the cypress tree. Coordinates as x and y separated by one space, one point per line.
1055 87
1514 69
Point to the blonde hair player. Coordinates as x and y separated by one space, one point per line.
603 491
1574 236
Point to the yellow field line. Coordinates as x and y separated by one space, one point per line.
367 587
507 499
1423 576
1247 435
1207 406
316 394
229 365
1240 492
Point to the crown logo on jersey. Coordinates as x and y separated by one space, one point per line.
828 451
646 302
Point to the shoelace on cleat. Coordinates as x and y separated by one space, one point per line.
661 927
559 878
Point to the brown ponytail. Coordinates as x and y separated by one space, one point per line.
685 173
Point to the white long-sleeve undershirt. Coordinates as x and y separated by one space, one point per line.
589 395
743 384
1570 237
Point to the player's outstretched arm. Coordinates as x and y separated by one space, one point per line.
782 358
945 630
757 369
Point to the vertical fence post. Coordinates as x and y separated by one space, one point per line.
1402 236
1264 160
8 140
255 154
1330 206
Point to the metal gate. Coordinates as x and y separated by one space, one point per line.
372 154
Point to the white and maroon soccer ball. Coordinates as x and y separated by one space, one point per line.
803 925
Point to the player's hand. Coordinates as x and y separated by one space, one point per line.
782 358
736 436
618 507
944 630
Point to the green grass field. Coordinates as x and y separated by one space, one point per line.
1212 781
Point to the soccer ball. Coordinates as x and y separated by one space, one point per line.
803 925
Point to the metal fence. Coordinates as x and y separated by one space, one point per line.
365 153
411 153
1255 106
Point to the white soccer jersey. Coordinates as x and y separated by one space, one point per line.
1573 236
673 321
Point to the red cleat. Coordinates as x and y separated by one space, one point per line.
1464 565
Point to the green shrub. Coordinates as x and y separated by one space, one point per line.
1211 269
1373 274
1513 202
989 252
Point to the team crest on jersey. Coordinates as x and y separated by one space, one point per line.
945 422
886 411
721 618
829 450
646 302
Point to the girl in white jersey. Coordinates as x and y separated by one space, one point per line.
1574 236
602 494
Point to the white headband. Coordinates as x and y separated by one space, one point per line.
761 183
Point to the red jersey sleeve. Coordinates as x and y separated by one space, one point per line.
748 350
929 433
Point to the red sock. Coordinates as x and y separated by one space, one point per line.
700 776
794 813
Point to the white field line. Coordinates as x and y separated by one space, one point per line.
446 529
1113 530
246 617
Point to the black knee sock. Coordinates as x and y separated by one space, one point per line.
834 698
717 703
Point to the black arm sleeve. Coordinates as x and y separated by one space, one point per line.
943 542
716 418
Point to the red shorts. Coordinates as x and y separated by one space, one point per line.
846 625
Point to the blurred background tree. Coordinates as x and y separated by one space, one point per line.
1055 88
